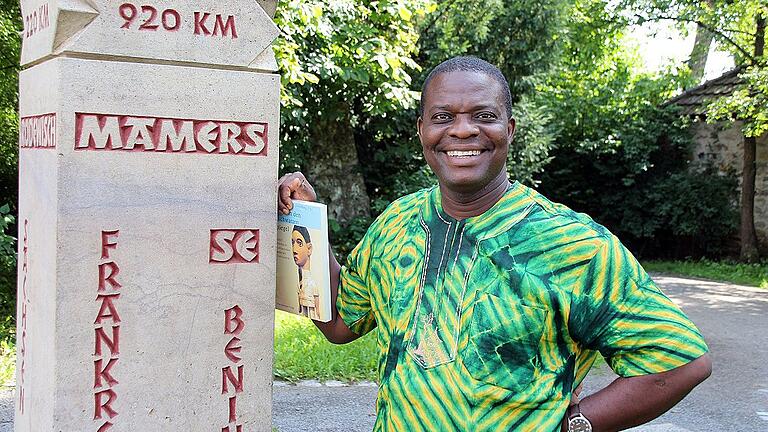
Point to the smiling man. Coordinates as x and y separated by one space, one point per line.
493 302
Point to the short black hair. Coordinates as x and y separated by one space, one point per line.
304 233
469 64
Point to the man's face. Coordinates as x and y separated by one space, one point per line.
301 249
465 130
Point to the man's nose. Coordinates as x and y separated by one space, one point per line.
463 127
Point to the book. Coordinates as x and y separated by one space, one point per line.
303 277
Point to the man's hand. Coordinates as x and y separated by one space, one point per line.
293 186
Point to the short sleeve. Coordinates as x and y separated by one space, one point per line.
354 297
619 311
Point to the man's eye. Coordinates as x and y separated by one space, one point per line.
440 117
486 116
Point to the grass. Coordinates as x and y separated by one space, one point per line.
301 352
7 363
724 271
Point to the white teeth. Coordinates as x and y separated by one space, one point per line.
465 153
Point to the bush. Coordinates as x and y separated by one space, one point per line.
643 189
7 277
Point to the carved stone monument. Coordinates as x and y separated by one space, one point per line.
147 205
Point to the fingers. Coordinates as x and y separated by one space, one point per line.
293 186
576 394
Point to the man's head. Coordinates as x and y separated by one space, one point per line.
301 245
469 64
465 125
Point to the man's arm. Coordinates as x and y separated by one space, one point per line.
629 402
295 186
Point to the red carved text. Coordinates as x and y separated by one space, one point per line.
232 375
107 132
106 333
36 21
233 246
24 302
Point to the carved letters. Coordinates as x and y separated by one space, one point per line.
169 135
232 380
36 21
149 18
106 334
234 246
38 132
24 301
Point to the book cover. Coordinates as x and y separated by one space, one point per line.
303 278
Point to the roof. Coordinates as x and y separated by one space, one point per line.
694 101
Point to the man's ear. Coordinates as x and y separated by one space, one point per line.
511 129
309 248
419 123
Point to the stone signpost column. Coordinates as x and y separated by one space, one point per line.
148 169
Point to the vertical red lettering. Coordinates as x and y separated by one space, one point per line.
104 406
233 325
227 377
105 277
107 244
233 409
103 373
233 349
113 344
107 309
232 316
24 300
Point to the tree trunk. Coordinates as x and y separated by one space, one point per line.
747 233
749 251
697 61
333 167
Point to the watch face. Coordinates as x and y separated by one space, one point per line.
579 424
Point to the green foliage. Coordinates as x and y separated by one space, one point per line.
733 24
534 138
724 271
619 157
520 38
342 60
345 238
7 362
10 45
302 352
749 103
7 277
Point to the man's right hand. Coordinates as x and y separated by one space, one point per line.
293 186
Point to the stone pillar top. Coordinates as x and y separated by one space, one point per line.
234 33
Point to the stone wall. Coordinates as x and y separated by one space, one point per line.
722 145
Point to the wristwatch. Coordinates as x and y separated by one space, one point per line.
577 422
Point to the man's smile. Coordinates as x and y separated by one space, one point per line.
463 153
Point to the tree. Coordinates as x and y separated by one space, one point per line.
341 62
10 45
738 26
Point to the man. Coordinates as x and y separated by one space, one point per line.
308 294
492 302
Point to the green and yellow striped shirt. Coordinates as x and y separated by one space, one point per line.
488 323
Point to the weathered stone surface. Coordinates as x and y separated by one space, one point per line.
127 229
211 32
722 146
